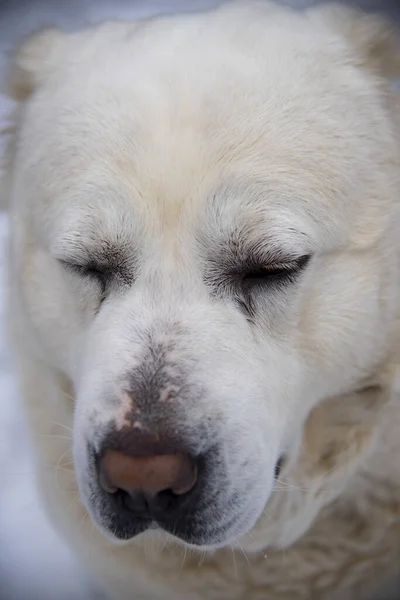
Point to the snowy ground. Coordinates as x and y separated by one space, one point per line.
34 563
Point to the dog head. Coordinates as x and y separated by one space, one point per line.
204 236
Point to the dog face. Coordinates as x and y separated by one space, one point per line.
204 223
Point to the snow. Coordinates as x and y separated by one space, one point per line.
34 562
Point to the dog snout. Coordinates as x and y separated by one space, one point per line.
146 474
149 474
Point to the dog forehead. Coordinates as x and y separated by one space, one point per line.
200 75
177 108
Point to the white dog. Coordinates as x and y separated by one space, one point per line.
204 299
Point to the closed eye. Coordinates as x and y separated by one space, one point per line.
86 270
274 273
101 274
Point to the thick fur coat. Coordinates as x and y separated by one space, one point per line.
205 233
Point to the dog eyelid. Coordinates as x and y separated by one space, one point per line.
84 269
105 274
271 272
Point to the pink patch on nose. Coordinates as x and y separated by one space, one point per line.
127 406
137 425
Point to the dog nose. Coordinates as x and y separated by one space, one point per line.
147 472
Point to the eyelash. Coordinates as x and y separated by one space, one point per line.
258 276
84 270
93 272
274 273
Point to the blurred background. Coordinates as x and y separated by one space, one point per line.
34 563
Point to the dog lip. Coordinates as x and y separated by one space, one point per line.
125 526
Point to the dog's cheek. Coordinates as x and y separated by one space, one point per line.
344 323
59 313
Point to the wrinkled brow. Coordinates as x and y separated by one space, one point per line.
247 229
242 249
94 250
259 217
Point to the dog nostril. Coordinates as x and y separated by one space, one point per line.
149 475
166 500
144 506
136 503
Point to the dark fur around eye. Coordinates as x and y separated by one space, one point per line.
87 270
103 271
274 273
101 275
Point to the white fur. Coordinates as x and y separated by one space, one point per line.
165 138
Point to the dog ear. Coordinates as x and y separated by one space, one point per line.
33 61
375 39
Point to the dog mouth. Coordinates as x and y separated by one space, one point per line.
127 512
200 518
